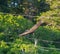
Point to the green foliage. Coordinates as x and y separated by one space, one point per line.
47 32
3 47
11 26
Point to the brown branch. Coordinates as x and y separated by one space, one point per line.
32 29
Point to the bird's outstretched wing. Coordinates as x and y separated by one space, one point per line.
32 29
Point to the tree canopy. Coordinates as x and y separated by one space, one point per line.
37 20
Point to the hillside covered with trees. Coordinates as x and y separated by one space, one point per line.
29 26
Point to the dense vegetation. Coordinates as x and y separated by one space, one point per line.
13 25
